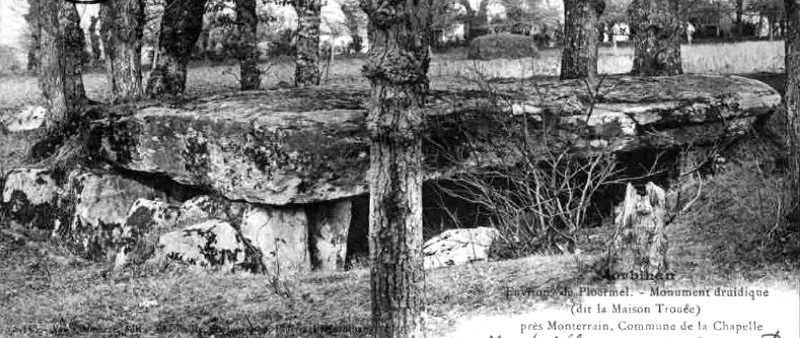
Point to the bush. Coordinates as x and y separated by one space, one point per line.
502 46
538 207
540 197
283 45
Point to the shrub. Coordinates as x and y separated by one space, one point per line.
540 197
537 206
503 45
284 44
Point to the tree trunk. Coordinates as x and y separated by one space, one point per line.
123 30
202 43
783 28
247 22
479 21
397 69
307 60
180 28
771 25
60 75
656 37
739 22
581 36
792 96
34 24
94 41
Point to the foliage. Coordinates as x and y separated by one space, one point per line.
539 204
768 8
447 16
503 45
739 214
283 44
527 17
274 31
153 10
615 12
220 39
538 207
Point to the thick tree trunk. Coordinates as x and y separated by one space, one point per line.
656 37
60 75
581 36
180 27
397 69
307 59
34 24
247 22
793 93
123 30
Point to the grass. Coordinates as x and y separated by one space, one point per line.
182 302
725 240
205 78
719 58
47 293
729 238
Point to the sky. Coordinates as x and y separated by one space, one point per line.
12 22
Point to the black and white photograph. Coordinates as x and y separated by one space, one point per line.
400 168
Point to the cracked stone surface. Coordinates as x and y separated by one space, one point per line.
304 146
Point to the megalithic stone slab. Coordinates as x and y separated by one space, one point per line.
304 146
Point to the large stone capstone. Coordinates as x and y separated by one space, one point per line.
311 145
264 181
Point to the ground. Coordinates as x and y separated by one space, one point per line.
731 236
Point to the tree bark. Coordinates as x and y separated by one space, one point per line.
60 75
34 24
792 95
739 22
581 36
655 28
307 71
180 28
94 41
397 69
123 30
479 22
247 21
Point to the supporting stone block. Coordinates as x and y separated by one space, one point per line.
329 224
281 234
641 244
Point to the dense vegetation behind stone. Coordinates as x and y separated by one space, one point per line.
502 46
